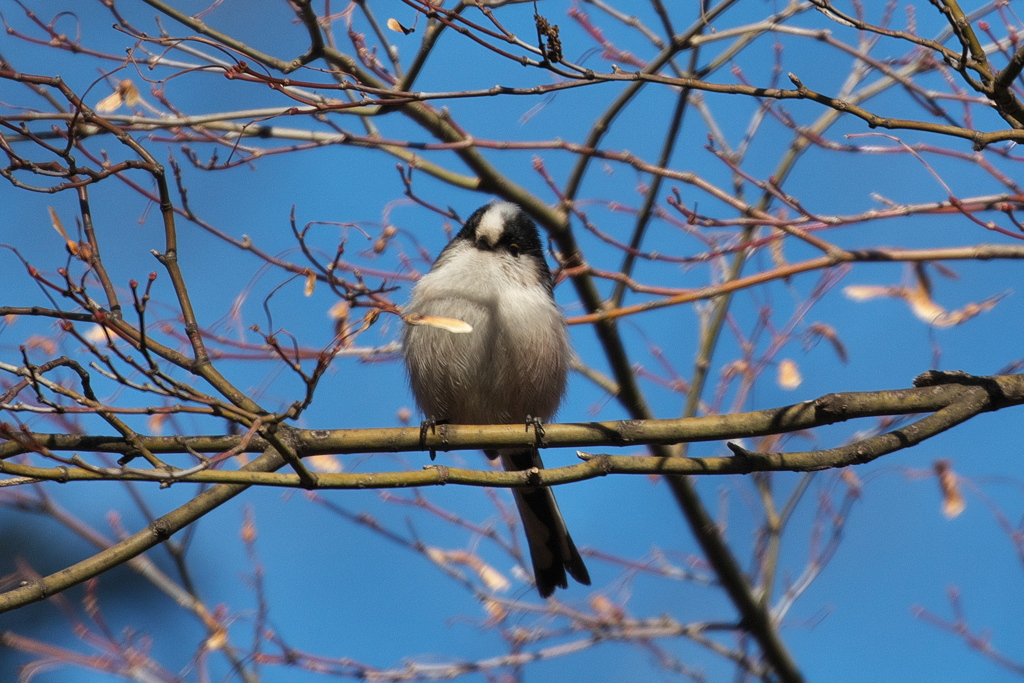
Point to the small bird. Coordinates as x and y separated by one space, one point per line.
511 368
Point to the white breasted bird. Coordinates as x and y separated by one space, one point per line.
510 369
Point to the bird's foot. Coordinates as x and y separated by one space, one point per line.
538 428
430 424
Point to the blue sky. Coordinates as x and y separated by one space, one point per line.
339 590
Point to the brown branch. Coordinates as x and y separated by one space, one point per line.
942 399
982 251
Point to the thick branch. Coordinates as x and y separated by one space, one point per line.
951 403
828 409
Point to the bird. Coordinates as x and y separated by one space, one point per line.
511 367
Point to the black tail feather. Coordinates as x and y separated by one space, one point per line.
551 548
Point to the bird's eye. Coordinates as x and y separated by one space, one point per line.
514 250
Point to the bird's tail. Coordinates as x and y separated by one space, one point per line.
551 547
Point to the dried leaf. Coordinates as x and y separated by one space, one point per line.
920 300
124 93
130 92
109 103
492 578
452 325
155 423
339 313
606 609
921 278
968 311
370 318
496 612
59 227
248 532
397 27
325 463
96 334
829 334
347 335
44 344
310 283
865 292
789 374
953 502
